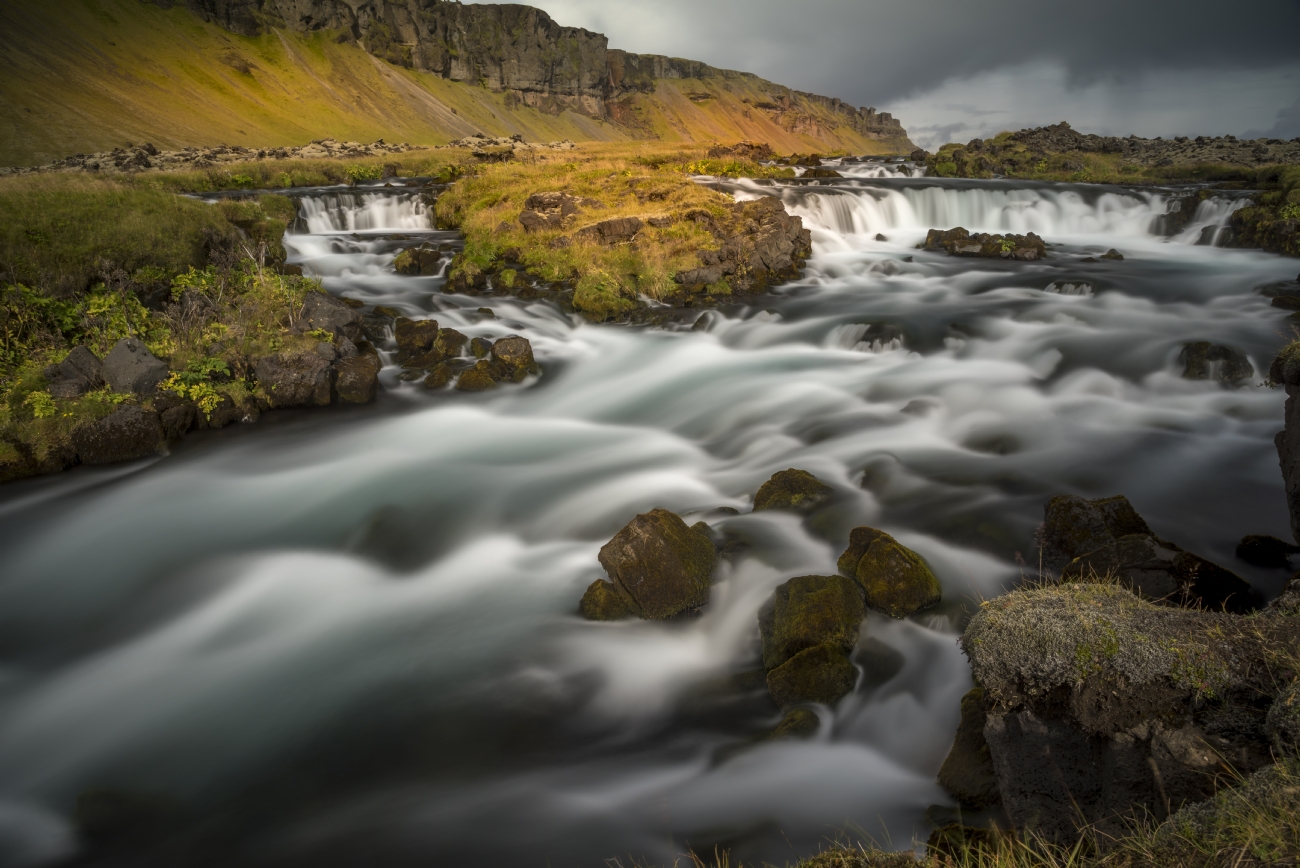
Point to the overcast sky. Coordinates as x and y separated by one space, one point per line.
954 70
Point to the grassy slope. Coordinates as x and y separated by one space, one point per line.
89 75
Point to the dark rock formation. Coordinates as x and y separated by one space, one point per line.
1096 702
551 211
129 432
80 372
1203 360
295 379
967 773
791 489
797 723
357 379
959 242
760 245
422 260
320 310
1268 552
1106 537
755 151
603 602
658 565
619 230
808 627
894 578
822 673
414 337
130 367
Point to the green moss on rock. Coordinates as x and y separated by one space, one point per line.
791 489
807 611
661 564
1283 721
895 579
604 602
967 773
798 723
819 674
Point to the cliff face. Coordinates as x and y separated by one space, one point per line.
522 51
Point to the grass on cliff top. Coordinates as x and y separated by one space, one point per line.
627 181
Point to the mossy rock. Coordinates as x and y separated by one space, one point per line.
807 611
477 379
661 564
822 673
1283 721
1285 369
797 723
895 579
1072 527
415 336
791 489
967 773
1119 516
604 602
439 376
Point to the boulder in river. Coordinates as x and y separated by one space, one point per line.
357 379
791 489
422 260
320 310
1203 360
479 378
130 367
895 579
822 673
1267 552
414 336
967 773
80 372
603 601
129 432
659 564
797 723
959 242
514 356
807 611
295 379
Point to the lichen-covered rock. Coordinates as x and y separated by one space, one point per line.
661 564
479 378
967 773
295 379
414 336
320 310
80 372
759 245
1283 721
515 355
129 432
357 379
423 260
791 489
619 230
807 611
439 376
130 367
604 602
1203 360
819 674
797 723
959 242
895 579
1072 527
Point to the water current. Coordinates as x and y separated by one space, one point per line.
348 636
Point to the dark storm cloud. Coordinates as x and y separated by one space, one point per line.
887 53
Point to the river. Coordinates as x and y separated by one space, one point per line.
349 636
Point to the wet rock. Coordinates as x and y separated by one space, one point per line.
130 367
807 611
480 347
357 379
439 376
515 356
1267 552
295 379
80 372
226 412
414 336
759 245
176 414
1203 360
819 674
959 242
604 602
1113 255
1120 517
895 579
479 378
797 723
819 172
1072 528
423 260
619 230
660 564
791 489
129 432
320 310
967 773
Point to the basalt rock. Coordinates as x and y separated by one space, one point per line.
414 336
603 601
967 773
658 563
320 310
807 611
423 260
295 379
1267 552
895 579
552 211
1203 360
959 242
797 723
515 356
357 379
80 372
760 245
822 673
619 230
791 489
130 367
481 377
128 433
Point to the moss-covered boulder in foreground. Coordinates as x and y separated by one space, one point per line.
895 579
662 565
791 489
808 611
819 674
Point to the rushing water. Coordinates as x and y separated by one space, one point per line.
348 636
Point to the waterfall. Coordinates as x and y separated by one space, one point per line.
327 212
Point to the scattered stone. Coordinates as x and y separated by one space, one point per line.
478 378
619 230
80 372
414 337
807 611
552 211
128 433
1268 552
895 579
604 602
1113 255
967 774
819 674
130 368
439 376
357 379
1203 360
959 242
661 565
423 260
480 347
320 310
791 489
295 379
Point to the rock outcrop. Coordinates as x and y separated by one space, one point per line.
1203 360
130 368
791 489
808 627
80 372
959 242
128 433
658 568
894 579
296 380
760 245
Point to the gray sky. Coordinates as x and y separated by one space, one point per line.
954 70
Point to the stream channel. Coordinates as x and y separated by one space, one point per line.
349 636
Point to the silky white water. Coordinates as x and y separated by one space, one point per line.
350 635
